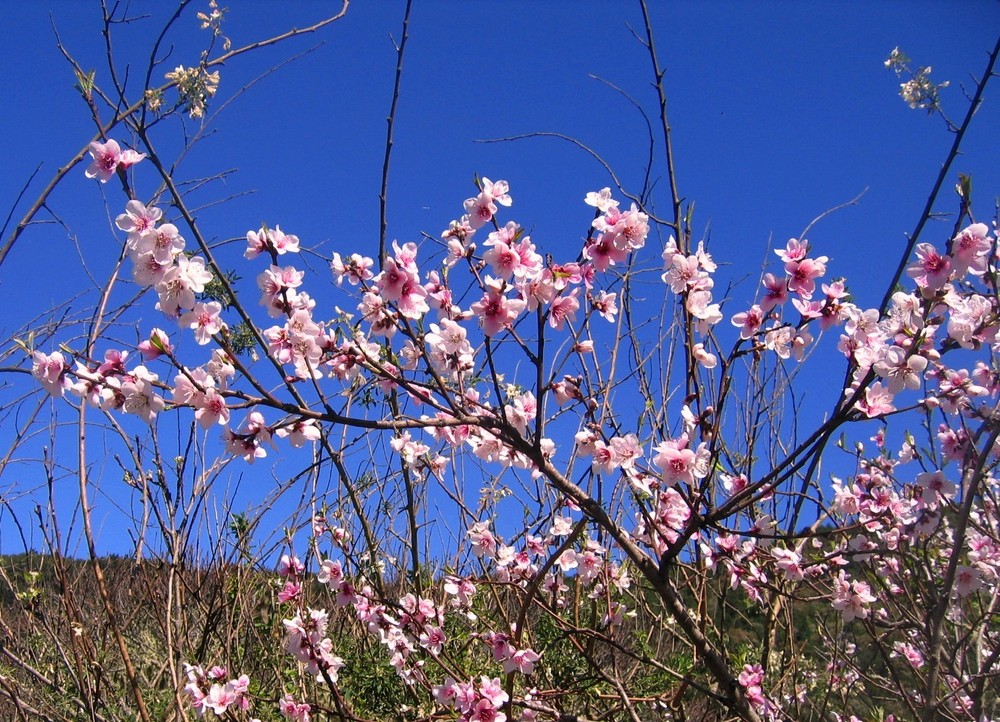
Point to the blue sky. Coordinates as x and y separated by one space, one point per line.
779 112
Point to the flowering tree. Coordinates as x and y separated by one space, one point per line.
522 501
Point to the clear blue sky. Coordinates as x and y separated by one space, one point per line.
779 111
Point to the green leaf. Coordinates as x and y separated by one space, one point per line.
85 82
964 188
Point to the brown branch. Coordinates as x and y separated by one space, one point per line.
658 73
390 122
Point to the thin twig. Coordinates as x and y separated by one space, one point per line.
390 123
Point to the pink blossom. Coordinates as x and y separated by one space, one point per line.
94 388
775 292
411 451
752 679
603 457
50 371
484 544
108 158
601 200
211 409
331 573
563 309
705 258
283 242
566 390
164 244
448 339
523 661
204 318
970 249
934 486
851 598
802 274
139 394
495 311
155 346
399 284
439 296
809 309
967 580
672 513
627 230
626 451
462 589
405 255
910 652
954 442
356 269
538 290
147 271
391 282
684 273
114 363
276 280
290 592
432 639
492 690
481 209
789 562
290 566
972 321
498 191
503 260
681 464
180 283
299 433
749 322
249 441
800 343
795 250
486 711
412 302
699 305
901 370
138 220
292 710
877 401
931 270
603 252
779 339
446 692
457 235
564 275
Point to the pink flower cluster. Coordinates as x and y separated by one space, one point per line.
851 597
475 702
619 233
306 640
106 385
209 692
295 711
416 624
798 285
604 579
690 277
752 680
158 260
